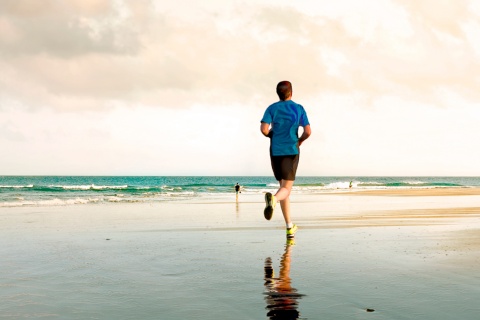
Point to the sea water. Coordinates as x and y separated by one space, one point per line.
18 191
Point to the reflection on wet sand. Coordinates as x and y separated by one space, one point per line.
281 298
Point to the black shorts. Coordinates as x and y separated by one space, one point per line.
285 167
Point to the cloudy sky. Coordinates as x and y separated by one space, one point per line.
145 87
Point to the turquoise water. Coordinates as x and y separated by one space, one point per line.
70 190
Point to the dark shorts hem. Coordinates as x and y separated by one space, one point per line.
285 167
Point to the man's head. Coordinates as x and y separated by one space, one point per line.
284 90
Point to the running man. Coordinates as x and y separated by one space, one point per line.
280 123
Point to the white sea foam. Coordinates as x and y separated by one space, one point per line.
369 183
176 194
109 187
17 187
50 202
87 187
12 204
81 187
117 199
339 185
414 182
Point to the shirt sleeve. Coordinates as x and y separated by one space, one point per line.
267 116
304 119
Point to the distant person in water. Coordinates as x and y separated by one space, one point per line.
350 185
280 123
237 190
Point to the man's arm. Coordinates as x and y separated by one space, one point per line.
307 131
265 128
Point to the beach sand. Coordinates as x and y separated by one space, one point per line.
406 254
422 192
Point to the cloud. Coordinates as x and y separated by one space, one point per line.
94 54
64 29
439 16
10 133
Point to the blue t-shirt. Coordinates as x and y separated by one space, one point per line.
285 118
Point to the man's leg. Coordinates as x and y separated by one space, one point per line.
283 195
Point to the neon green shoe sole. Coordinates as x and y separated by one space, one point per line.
270 203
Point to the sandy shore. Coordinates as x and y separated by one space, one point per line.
409 254
420 192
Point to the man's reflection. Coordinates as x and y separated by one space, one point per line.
281 298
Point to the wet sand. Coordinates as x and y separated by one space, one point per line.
401 255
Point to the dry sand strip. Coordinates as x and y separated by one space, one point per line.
437 213
443 191
408 217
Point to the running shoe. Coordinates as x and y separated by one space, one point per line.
270 202
291 231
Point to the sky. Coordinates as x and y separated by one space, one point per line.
145 87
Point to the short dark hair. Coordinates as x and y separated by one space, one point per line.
284 89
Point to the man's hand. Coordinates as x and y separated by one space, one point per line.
307 131
265 129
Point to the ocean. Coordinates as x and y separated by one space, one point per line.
16 191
